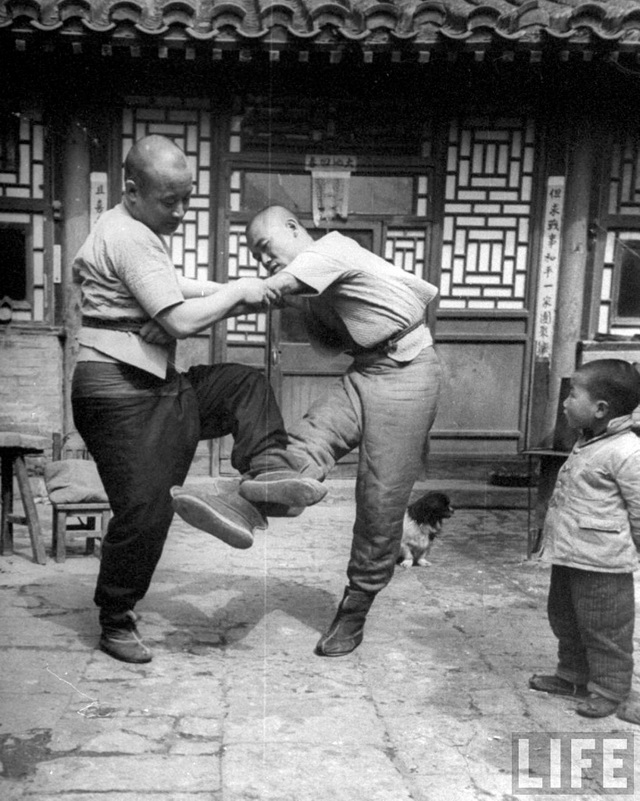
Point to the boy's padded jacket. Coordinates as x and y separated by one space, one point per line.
593 520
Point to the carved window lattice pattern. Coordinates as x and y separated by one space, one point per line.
249 328
27 179
422 196
624 183
488 193
406 247
188 125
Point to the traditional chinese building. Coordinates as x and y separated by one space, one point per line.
491 148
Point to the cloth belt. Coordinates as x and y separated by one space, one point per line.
389 345
117 324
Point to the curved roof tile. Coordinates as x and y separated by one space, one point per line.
417 24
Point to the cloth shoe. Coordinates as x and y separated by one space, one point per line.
282 486
597 706
554 685
227 485
120 638
345 633
629 709
228 517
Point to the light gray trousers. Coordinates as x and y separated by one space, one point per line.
387 408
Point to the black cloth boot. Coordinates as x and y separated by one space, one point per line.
346 631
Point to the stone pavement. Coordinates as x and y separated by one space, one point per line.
236 707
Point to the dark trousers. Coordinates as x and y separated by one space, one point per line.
387 409
143 433
592 615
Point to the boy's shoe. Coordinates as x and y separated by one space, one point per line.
554 685
120 638
281 486
597 706
228 517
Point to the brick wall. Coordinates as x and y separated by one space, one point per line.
31 386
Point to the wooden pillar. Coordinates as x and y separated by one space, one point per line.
573 263
75 228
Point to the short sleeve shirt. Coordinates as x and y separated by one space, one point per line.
125 270
360 294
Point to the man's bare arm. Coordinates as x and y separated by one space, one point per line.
284 283
192 288
229 300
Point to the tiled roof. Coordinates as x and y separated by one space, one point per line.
416 26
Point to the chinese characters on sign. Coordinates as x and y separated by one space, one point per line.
330 186
549 265
98 196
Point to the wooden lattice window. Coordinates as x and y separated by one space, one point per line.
488 205
189 127
624 184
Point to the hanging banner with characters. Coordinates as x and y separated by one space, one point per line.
549 267
330 186
98 196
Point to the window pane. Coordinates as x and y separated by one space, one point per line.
13 263
629 281
368 194
381 194
262 189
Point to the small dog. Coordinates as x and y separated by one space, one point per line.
422 524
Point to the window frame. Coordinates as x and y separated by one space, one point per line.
621 247
9 142
26 303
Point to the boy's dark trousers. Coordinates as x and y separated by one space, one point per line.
143 433
592 614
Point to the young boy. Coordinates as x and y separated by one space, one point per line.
590 537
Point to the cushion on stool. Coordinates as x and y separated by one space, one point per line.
74 481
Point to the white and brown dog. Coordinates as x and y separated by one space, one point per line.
422 524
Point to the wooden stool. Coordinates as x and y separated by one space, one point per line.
13 448
92 522
76 494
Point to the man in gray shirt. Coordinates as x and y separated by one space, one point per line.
140 418
355 302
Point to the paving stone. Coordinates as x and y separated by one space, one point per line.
308 772
139 773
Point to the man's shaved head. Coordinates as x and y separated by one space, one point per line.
152 157
272 216
276 236
158 183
